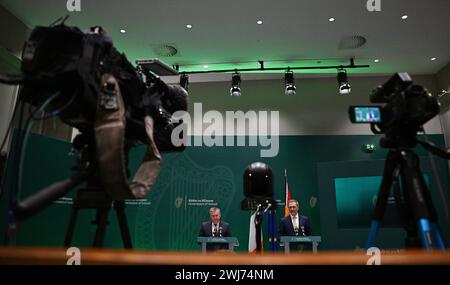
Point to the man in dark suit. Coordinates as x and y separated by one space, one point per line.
295 224
215 227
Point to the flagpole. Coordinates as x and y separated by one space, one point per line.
287 194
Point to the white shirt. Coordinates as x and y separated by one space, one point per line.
215 227
295 221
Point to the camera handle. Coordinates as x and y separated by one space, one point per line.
434 149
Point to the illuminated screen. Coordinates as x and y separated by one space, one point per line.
367 114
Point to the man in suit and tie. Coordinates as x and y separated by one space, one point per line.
215 227
294 224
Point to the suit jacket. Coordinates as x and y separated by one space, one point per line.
206 229
286 227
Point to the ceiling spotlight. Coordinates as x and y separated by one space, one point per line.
184 81
344 86
235 85
289 82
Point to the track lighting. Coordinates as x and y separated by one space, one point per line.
235 85
344 86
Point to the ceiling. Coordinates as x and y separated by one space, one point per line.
225 34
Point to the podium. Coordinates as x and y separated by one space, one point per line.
290 240
228 242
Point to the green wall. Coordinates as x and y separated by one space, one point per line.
194 180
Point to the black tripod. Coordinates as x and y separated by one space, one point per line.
414 202
92 196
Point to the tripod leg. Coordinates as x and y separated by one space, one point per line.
71 227
435 232
380 207
425 234
437 238
371 240
419 197
119 206
102 220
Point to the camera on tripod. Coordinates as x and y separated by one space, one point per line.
85 81
408 107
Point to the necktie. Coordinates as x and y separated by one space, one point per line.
214 230
295 224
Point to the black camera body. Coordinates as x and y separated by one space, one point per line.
258 187
407 108
65 60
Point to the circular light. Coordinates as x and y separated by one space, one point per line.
259 22
205 66
123 31
331 19
189 26
404 17
376 60
433 58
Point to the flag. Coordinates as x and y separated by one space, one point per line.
287 194
252 235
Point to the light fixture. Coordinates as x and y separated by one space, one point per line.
289 83
189 26
235 90
123 31
404 17
368 148
344 86
184 81
259 22
331 19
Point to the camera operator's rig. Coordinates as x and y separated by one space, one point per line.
84 80
407 108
